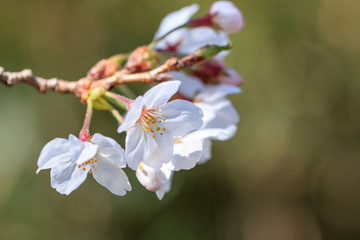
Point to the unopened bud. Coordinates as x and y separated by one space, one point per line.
226 16
103 69
222 15
142 59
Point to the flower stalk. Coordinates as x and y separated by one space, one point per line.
85 133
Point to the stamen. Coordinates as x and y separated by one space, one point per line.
150 120
79 166
90 171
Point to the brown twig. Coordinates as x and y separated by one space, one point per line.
121 77
42 84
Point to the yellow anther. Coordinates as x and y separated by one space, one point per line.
79 166
162 114
93 166
153 136
161 133
84 169
164 129
95 160
90 172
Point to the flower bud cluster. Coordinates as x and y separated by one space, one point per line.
169 128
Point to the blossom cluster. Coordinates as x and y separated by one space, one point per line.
168 129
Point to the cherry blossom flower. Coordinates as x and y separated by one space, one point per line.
71 160
219 121
153 122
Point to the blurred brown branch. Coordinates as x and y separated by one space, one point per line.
42 84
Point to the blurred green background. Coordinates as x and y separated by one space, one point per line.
291 172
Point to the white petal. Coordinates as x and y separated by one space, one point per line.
165 188
158 150
109 150
219 115
186 154
206 154
81 151
221 134
141 146
189 85
160 94
176 19
215 93
112 177
181 117
85 153
53 153
66 177
135 146
132 115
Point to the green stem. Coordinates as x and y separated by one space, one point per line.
118 100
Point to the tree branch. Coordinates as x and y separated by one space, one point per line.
42 84
121 77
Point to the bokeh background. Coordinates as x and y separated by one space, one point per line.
292 172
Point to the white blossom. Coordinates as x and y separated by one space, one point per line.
153 122
71 160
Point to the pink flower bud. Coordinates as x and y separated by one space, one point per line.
226 16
